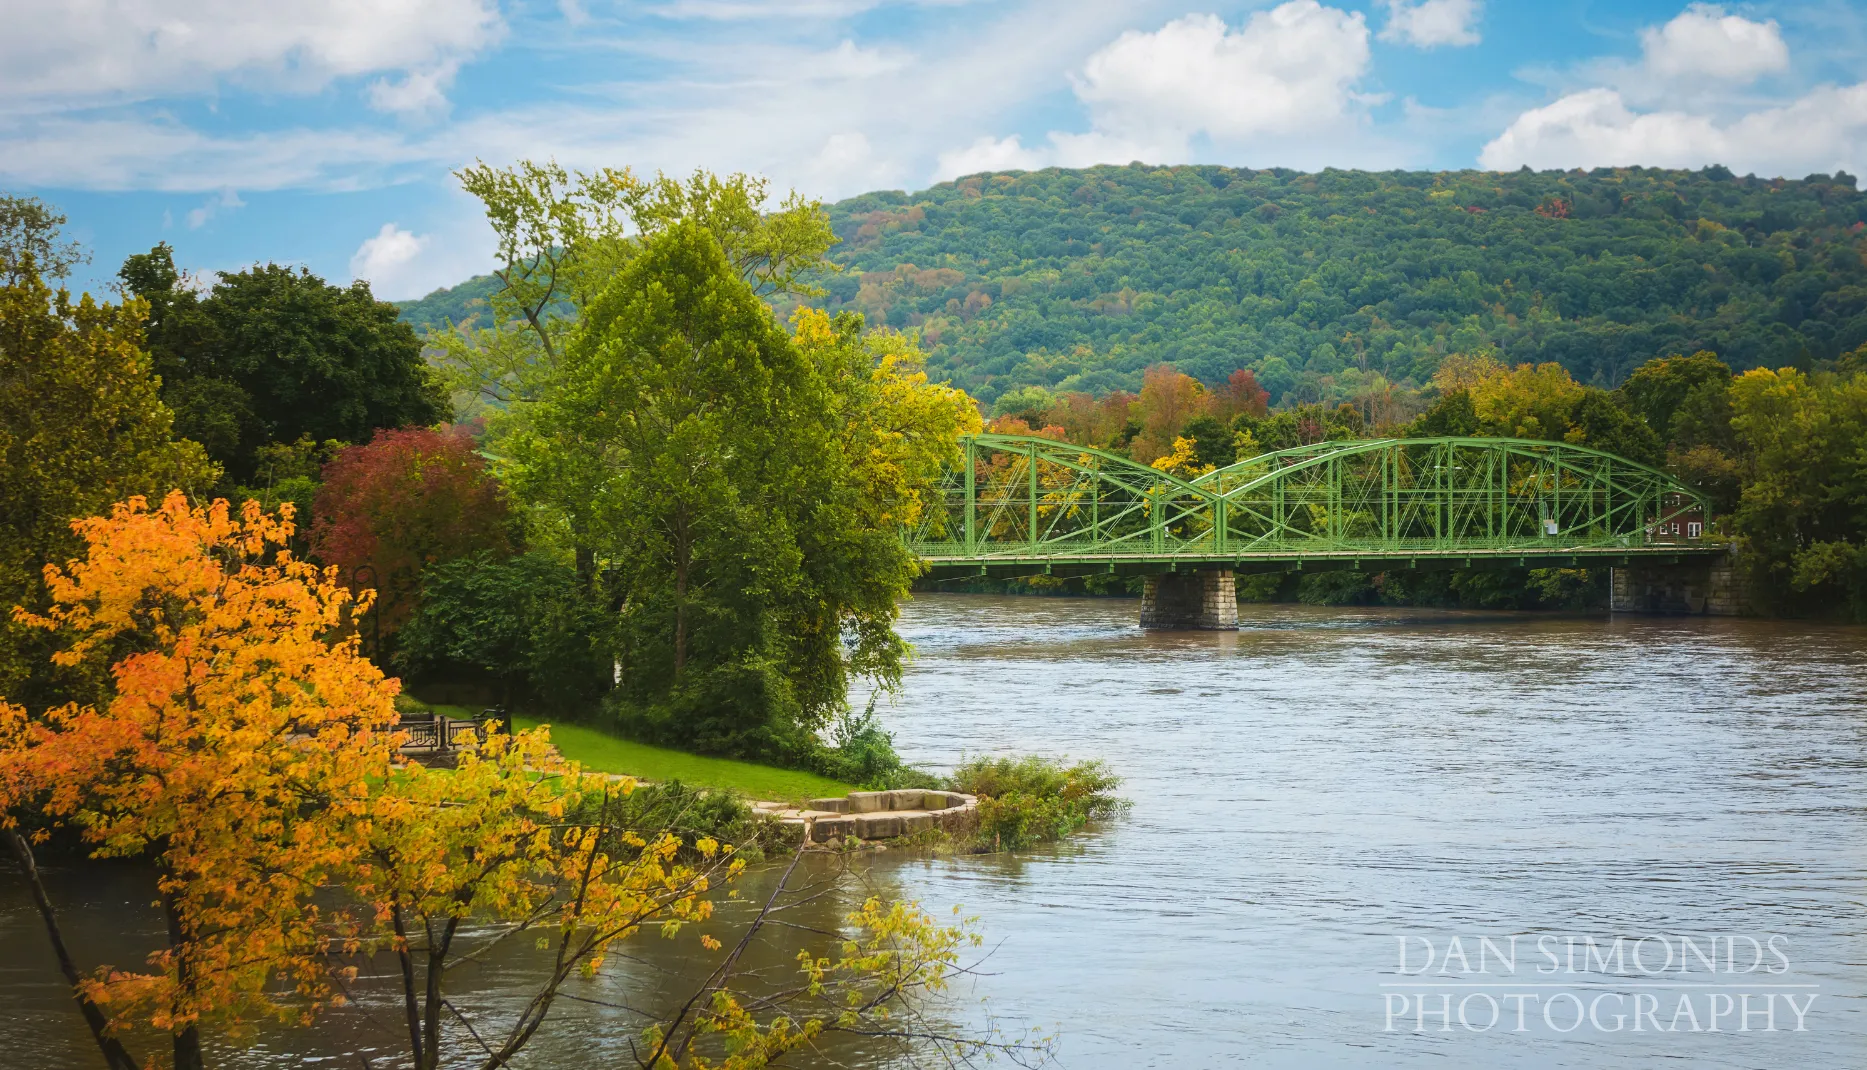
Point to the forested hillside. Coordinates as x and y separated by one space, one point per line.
455 304
1079 280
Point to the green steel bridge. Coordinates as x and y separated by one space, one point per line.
1021 505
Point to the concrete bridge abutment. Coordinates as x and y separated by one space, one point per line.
1712 587
1186 601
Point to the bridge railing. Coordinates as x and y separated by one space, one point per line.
1024 496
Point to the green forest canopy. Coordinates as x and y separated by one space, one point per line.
1080 279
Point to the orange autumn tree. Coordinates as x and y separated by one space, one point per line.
239 747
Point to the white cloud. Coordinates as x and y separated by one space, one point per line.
227 198
766 106
121 154
79 51
418 92
1680 106
1282 84
772 10
1431 23
848 60
386 259
987 154
847 157
1704 43
1287 70
1821 131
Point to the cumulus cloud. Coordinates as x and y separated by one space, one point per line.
1285 70
1704 43
1822 131
90 51
988 154
1431 23
1285 75
1675 108
385 261
847 156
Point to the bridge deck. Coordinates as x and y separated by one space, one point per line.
1006 562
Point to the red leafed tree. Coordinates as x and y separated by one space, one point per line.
1241 395
409 499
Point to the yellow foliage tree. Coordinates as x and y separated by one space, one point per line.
1528 401
1183 459
899 429
240 744
520 841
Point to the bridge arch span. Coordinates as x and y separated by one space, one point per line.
1021 504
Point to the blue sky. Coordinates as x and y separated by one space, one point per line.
323 132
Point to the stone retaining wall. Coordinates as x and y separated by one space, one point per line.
878 815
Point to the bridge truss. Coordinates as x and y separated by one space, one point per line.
1017 504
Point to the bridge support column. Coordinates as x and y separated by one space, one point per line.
1180 601
1712 588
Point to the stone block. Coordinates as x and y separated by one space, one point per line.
832 829
869 802
835 806
877 826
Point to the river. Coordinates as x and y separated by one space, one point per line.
1324 790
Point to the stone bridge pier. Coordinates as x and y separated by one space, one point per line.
1710 587
1183 601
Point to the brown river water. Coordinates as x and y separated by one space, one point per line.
1360 838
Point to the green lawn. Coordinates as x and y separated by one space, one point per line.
610 754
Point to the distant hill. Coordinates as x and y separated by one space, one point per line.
1079 279
452 305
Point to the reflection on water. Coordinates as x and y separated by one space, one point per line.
1306 790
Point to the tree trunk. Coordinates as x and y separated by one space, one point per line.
437 966
411 1009
586 564
683 562
187 1042
115 1057
680 615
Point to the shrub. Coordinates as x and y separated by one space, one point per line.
864 754
1034 799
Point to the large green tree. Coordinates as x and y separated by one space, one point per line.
563 234
272 355
744 489
1802 518
81 427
